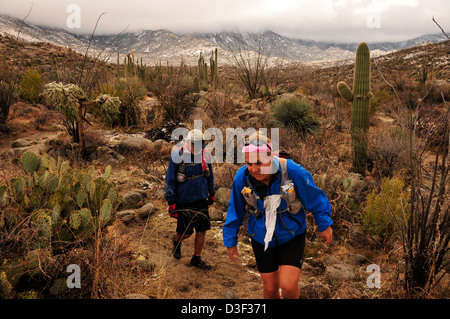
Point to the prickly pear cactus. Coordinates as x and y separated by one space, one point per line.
30 162
5 286
360 98
29 294
75 220
105 211
65 205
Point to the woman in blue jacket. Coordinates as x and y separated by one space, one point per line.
275 191
189 191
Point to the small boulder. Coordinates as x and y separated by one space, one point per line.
223 196
337 273
146 210
20 143
134 145
126 216
133 199
215 214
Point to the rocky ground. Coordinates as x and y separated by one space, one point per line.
142 233
335 271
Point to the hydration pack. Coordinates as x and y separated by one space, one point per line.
287 193
181 170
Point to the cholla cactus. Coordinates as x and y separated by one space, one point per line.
66 98
109 107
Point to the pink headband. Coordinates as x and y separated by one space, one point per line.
257 149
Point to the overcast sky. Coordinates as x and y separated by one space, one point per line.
321 20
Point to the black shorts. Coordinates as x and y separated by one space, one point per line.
290 253
192 216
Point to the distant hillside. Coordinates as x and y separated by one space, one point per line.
164 45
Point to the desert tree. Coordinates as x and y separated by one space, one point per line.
251 61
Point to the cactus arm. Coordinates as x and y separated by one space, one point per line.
345 91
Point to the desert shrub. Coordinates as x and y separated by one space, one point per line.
31 86
129 90
295 114
252 66
389 151
309 87
224 175
429 125
380 98
175 91
8 96
386 210
218 106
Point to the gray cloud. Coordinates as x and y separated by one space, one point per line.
322 20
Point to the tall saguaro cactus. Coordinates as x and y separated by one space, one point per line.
203 70
360 99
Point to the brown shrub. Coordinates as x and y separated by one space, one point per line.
389 151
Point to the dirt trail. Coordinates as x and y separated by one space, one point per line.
153 239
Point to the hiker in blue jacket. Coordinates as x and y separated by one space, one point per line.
189 191
276 191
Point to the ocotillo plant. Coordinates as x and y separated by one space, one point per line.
360 99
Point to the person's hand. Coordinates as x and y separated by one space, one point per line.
327 234
211 200
172 211
232 253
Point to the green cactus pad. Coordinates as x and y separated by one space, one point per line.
75 220
30 162
105 211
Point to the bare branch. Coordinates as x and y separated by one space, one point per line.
440 28
87 49
23 21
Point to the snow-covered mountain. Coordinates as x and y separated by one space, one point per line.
163 45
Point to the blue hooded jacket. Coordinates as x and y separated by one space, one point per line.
191 190
287 225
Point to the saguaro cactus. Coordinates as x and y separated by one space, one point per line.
203 70
213 64
360 99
